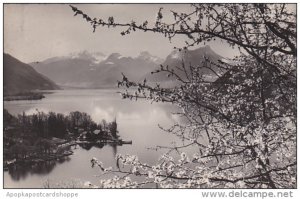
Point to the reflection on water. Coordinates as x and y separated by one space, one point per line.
88 146
137 121
100 104
21 171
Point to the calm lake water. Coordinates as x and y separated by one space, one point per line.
137 121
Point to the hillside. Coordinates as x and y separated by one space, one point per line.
20 77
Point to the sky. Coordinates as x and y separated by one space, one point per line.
35 32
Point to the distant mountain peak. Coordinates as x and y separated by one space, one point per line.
204 50
175 54
145 55
201 51
95 57
114 56
194 57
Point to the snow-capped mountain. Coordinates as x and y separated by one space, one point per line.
148 57
96 57
189 57
93 70
85 69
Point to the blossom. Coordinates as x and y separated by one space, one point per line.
183 158
151 174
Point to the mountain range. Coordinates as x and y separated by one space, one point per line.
87 70
96 70
20 77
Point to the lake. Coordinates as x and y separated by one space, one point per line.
137 121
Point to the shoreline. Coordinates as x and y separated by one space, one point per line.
23 97
34 95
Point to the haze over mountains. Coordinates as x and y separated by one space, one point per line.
96 70
20 77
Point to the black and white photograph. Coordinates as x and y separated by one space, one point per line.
149 96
